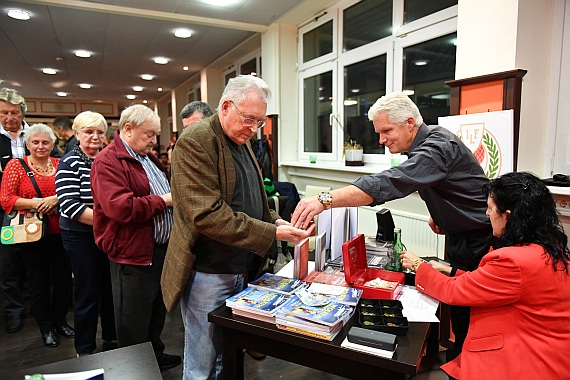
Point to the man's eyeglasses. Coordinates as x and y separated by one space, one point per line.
248 121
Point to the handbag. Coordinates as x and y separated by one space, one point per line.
24 226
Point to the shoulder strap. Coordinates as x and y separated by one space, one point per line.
30 174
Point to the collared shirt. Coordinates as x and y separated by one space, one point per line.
158 186
444 172
18 145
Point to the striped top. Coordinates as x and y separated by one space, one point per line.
158 186
73 188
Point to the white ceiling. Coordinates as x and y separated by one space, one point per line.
124 35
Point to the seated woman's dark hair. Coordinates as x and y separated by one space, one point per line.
533 217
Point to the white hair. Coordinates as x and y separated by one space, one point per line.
399 108
39 129
239 87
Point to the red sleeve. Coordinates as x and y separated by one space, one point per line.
498 281
11 184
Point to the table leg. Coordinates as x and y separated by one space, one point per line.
232 357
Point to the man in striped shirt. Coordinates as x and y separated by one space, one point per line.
132 208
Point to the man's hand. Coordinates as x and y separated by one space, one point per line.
435 228
305 211
294 235
167 198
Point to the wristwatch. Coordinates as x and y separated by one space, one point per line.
326 199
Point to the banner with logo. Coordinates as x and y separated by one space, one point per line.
489 135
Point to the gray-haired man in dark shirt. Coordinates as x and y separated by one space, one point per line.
441 169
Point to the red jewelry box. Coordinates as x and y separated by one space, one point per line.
357 273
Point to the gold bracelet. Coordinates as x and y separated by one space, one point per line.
417 264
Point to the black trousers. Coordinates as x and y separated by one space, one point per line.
137 298
93 293
465 251
49 275
11 281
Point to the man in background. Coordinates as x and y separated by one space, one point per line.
223 227
63 126
195 111
132 220
444 172
12 145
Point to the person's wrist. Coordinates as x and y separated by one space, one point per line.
417 263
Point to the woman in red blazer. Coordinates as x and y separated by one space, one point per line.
519 295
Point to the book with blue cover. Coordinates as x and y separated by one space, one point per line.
279 284
328 314
257 301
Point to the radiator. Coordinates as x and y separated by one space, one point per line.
417 236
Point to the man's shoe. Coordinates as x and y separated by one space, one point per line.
256 355
65 331
13 324
166 362
50 339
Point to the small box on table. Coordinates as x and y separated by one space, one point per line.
375 283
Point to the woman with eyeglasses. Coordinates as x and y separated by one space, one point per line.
93 295
519 295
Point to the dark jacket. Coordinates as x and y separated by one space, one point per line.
123 207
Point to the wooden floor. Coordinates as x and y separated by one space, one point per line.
25 349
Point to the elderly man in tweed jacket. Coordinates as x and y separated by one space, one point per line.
223 227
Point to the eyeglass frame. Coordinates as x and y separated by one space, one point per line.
260 123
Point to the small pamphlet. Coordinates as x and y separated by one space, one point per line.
279 284
301 260
95 374
257 301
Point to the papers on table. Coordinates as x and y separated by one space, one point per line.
418 307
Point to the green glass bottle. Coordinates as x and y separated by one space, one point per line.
397 248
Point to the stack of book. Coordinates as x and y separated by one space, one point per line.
257 304
323 322
278 284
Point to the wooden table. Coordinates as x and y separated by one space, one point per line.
239 333
133 362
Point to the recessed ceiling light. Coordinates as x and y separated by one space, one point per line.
147 77
131 97
19 14
420 63
145 101
350 102
161 60
61 93
409 92
83 53
159 89
355 90
85 85
183 33
137 88
49 71
440 96
185 68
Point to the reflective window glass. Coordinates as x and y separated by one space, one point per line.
364 83
365 22
249 68
426 68
416 9
318 42
317 107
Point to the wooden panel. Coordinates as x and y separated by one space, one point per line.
50 107
105 109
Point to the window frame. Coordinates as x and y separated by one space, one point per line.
422 30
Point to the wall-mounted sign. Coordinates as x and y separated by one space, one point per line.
489 135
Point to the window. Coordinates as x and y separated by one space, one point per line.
247 65
383 46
